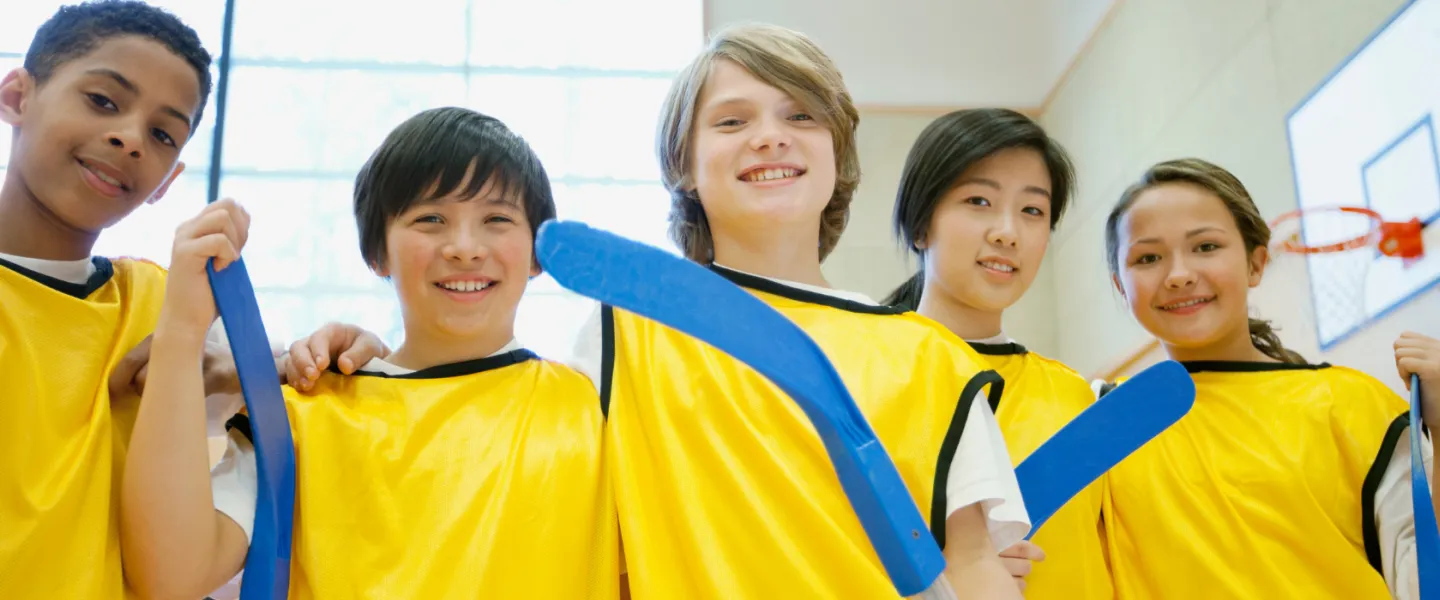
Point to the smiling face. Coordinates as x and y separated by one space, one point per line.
460 265
1185 271
989 233
761 161
103 134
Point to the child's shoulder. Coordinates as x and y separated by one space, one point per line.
1063 376
561 375
137 268
1358 389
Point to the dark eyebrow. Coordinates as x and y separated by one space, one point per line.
130 87
1189 234
978 181
990 183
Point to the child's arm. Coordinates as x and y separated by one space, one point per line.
1416 354
983 501
174 543
1019 559
971 563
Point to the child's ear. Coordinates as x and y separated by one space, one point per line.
1259 259
165 187
380 270
15 91
1115 280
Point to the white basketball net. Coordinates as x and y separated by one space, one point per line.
1337 279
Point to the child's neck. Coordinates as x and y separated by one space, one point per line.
422 350
967 322
29 229
790 259
1235 348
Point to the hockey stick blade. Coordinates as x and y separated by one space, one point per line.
1427 537
1112 428
267 564
641 279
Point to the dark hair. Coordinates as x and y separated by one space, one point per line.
1224 185
945 150
428 157
76 30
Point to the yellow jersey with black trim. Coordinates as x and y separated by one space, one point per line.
1264 490
62 437
484 478
1042 396
725 490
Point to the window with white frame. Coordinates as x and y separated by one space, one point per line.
315 85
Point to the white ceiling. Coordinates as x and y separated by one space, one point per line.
936 53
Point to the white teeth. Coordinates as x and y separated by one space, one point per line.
998 266
103 177
769 174
466 286
1185 303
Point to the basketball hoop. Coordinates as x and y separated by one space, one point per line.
1336 242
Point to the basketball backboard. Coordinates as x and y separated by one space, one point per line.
1366 136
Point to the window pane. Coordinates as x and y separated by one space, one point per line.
22 17
149 232
547 323
291 314
613 127
638 212
535 107
423 31
304 259
305 120
302 233
652 35
198 148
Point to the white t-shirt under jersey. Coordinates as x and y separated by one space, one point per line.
980 472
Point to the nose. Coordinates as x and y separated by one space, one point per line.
1003 233
129 139
770 136
1180 275
464 246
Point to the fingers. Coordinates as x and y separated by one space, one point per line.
1017 567
123 377
1024 549
365 347
1408 366
282 368
224 219
215 246
321 349
299 362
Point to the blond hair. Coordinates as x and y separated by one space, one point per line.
788 61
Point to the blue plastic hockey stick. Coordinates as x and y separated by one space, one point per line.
267 565
641 279
1118 424
1427 538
